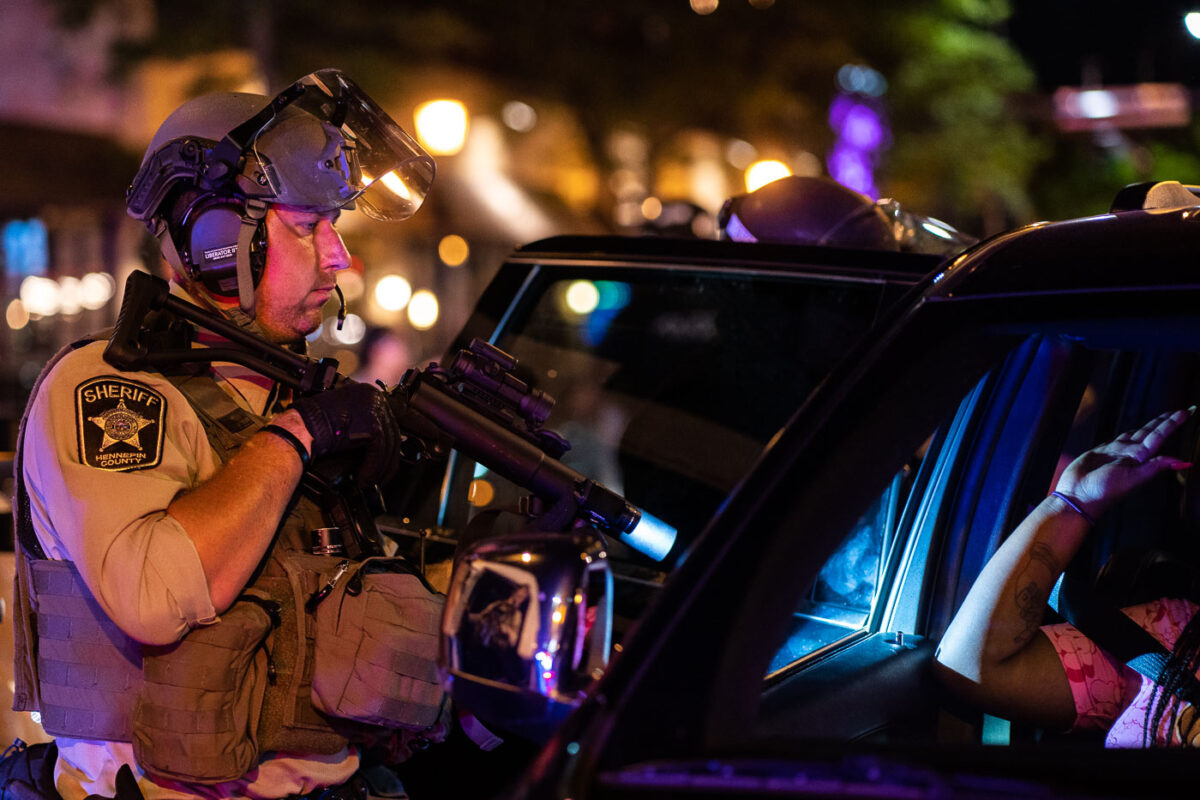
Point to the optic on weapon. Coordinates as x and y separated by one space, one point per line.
494 418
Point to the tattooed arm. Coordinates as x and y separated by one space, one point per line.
993 652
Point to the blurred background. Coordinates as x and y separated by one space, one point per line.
613 116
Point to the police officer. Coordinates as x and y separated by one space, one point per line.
156 500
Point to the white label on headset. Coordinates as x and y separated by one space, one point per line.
220 253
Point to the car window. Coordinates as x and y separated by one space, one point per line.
668 386
1010 438
840 600
1127 388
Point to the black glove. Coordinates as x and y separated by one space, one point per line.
351 416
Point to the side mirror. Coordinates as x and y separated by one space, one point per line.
527 628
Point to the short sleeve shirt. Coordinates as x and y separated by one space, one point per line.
105 452
1109 694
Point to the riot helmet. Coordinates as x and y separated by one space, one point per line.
219 160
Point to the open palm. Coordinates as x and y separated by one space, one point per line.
1105 474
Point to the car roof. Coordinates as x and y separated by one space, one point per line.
663 251
1118 252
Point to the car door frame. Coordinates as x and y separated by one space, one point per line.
636 711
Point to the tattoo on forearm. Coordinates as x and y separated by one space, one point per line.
1042 554
1033 582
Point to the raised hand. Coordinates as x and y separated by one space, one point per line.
1103 475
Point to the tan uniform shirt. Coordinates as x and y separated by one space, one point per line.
105 453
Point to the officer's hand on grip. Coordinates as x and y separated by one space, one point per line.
350 416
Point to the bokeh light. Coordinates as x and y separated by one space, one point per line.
40 296
69 296
519 116
612 295
628 213
96 289
704 6
393 292
652 208
1191 21
442 126
352 332
861 79
423 310
16 315
453 250
740 153
582 297
760 173
480 493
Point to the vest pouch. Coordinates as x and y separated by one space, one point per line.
196 716
377 642
86 666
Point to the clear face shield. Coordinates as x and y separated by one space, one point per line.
323 144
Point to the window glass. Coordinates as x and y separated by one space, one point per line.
1141 544
840 600
668 386
845 595
1141 541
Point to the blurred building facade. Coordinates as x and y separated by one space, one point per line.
525 169
74 130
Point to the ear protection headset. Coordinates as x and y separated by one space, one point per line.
206 231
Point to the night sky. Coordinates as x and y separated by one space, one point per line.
1112 41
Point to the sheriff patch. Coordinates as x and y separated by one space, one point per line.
119 424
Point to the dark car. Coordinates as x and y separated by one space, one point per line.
672 363
782 645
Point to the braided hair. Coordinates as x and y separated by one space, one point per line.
1164 700
1141 576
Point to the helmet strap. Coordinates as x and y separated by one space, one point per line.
256 210
171 253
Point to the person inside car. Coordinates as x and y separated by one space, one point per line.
997 654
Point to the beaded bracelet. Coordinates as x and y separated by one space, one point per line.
290 438
1074 506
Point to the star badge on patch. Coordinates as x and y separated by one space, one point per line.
119 424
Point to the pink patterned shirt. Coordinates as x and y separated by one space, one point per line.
1109 694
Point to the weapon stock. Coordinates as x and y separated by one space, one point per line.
137 342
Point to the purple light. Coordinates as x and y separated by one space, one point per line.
862 128
851 167
838 110
862 131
